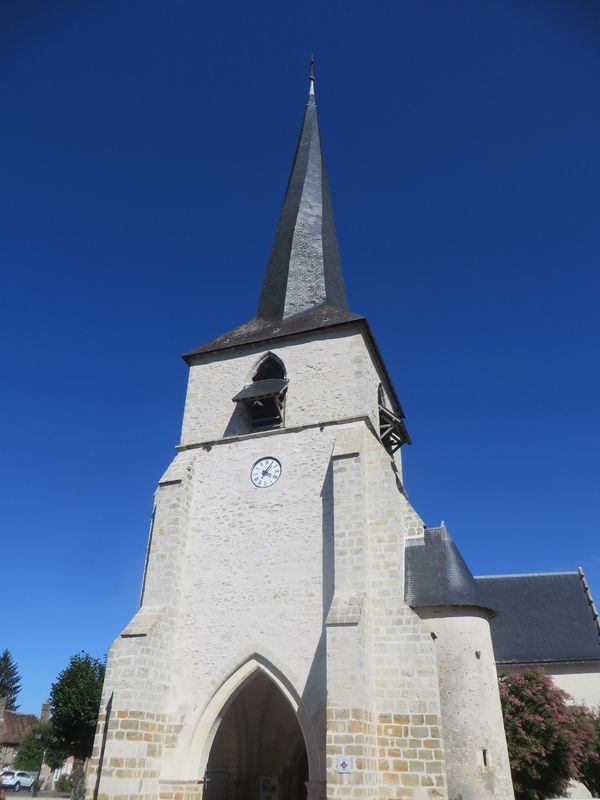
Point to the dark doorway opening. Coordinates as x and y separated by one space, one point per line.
258 752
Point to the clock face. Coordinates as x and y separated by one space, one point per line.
265 472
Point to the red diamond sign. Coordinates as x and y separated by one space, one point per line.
344 765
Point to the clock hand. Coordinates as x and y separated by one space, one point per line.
266 471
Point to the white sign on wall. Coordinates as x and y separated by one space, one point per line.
344 764
269 788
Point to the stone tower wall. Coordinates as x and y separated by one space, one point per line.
471 711
332 378
304 578
133 724
390 727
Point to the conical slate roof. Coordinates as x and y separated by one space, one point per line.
436 574
303 287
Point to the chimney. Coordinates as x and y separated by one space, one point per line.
45 712
2 707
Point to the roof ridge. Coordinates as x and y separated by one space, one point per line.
526 574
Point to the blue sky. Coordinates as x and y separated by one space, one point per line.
145 148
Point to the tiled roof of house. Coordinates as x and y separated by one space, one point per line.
540 618
14 727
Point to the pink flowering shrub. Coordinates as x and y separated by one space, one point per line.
590 771
549 740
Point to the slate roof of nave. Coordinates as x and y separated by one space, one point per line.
545 617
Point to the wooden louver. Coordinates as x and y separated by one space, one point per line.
392 430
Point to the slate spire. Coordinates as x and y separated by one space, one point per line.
304 269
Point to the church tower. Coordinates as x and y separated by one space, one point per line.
274 655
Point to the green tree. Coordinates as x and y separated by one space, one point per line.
549 740
590 771
10 680
75 700
29 754
41 741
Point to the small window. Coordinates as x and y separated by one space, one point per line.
264 398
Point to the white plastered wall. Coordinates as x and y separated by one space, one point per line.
580 680
255 569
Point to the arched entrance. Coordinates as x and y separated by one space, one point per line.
258 752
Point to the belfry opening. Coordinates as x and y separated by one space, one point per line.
258 752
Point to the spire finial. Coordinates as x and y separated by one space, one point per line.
311 76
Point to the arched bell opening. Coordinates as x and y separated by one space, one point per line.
263 399
258 752
269 366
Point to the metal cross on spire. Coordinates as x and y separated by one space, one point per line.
311 76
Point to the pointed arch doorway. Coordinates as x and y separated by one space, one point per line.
258 752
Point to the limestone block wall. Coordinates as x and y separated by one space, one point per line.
383 695
257 580
134 724
405 667
351 714
332 377
303 579
414 525
473 730
253 567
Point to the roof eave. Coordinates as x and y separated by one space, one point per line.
200 352
456 604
